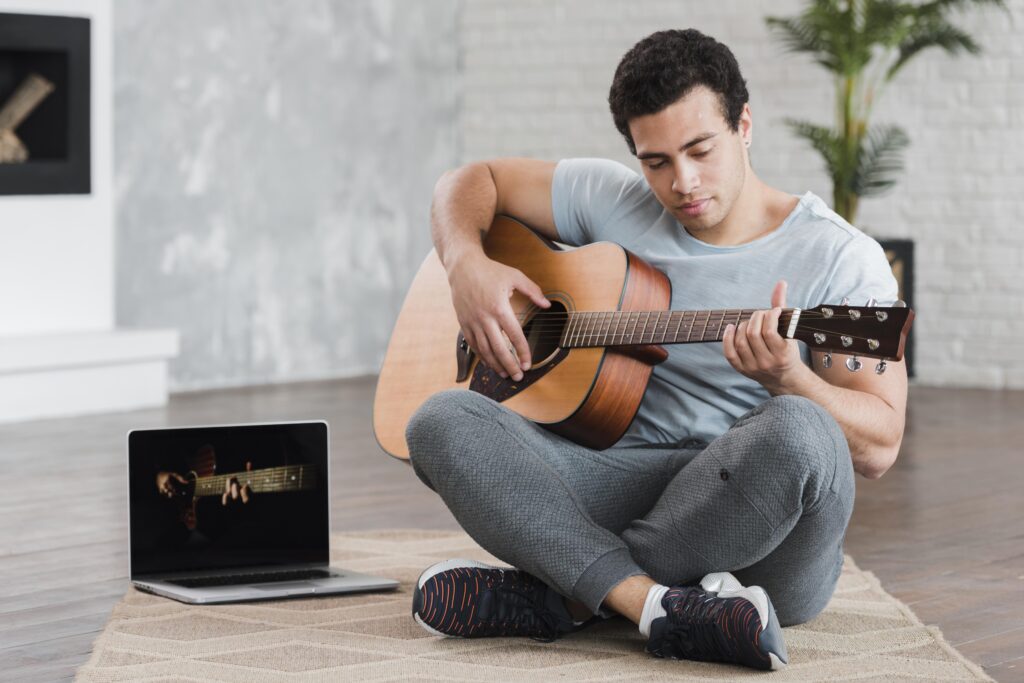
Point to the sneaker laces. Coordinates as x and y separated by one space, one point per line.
520 606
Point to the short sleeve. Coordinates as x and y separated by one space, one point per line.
861 272
588 195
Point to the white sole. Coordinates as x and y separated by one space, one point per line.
436 569
720 581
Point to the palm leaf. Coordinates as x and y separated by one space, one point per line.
934 33
801 36
879 160
938 8
827 142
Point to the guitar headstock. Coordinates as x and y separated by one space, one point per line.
874 331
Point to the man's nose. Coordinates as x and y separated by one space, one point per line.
686 179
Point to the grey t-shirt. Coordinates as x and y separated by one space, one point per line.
696 393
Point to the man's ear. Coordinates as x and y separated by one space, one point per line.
746 129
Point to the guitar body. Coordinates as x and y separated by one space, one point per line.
589 395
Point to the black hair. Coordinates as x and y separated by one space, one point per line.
665 66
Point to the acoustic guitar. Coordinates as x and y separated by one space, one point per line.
203 481
593 350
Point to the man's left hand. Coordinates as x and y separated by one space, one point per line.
757 350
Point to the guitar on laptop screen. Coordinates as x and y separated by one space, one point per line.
594 349
201 480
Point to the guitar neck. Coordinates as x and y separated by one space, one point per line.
269 480
625 328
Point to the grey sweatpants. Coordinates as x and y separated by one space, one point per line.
769 500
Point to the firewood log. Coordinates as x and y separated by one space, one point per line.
12 150
32 91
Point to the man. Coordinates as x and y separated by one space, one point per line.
738 468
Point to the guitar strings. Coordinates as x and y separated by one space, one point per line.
611 327
551 334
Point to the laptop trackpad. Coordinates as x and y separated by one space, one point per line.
283 584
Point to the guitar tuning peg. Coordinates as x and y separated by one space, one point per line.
853 364
880 368
900 304
826 360
870 303
845 301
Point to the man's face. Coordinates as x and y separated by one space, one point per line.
695 164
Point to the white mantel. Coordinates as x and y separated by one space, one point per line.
57 276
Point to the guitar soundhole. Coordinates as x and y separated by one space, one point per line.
544 330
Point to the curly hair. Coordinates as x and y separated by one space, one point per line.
667 65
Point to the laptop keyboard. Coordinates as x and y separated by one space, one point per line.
268 577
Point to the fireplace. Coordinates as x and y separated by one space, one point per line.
44 104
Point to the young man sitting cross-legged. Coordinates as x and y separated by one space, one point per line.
720 514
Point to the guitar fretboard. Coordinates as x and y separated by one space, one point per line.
615 328
269 480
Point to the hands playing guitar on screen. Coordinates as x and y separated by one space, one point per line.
171 484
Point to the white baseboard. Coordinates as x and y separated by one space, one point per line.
82 373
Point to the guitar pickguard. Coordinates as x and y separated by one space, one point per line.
489 383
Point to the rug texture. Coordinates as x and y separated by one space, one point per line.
864 634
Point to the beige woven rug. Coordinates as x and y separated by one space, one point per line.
864 634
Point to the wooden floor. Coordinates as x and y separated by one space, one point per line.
944 529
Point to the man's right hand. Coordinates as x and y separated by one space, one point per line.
481 293
166 483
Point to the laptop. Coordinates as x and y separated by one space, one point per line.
232 513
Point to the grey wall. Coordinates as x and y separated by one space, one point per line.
273 168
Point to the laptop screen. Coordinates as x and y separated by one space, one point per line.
204 498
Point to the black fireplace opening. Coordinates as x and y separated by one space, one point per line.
44 104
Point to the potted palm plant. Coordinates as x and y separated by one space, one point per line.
864 44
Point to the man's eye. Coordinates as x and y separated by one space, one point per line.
703 153
655 165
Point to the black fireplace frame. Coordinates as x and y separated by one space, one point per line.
71 174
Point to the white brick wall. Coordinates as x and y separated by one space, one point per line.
535 82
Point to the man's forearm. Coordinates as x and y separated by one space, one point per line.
873 428
463 209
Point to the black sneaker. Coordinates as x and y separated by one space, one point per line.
719 621
467 599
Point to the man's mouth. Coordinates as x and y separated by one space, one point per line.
694 208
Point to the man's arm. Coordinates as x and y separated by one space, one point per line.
466 201
870 408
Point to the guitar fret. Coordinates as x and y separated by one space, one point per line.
675 336
718 335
